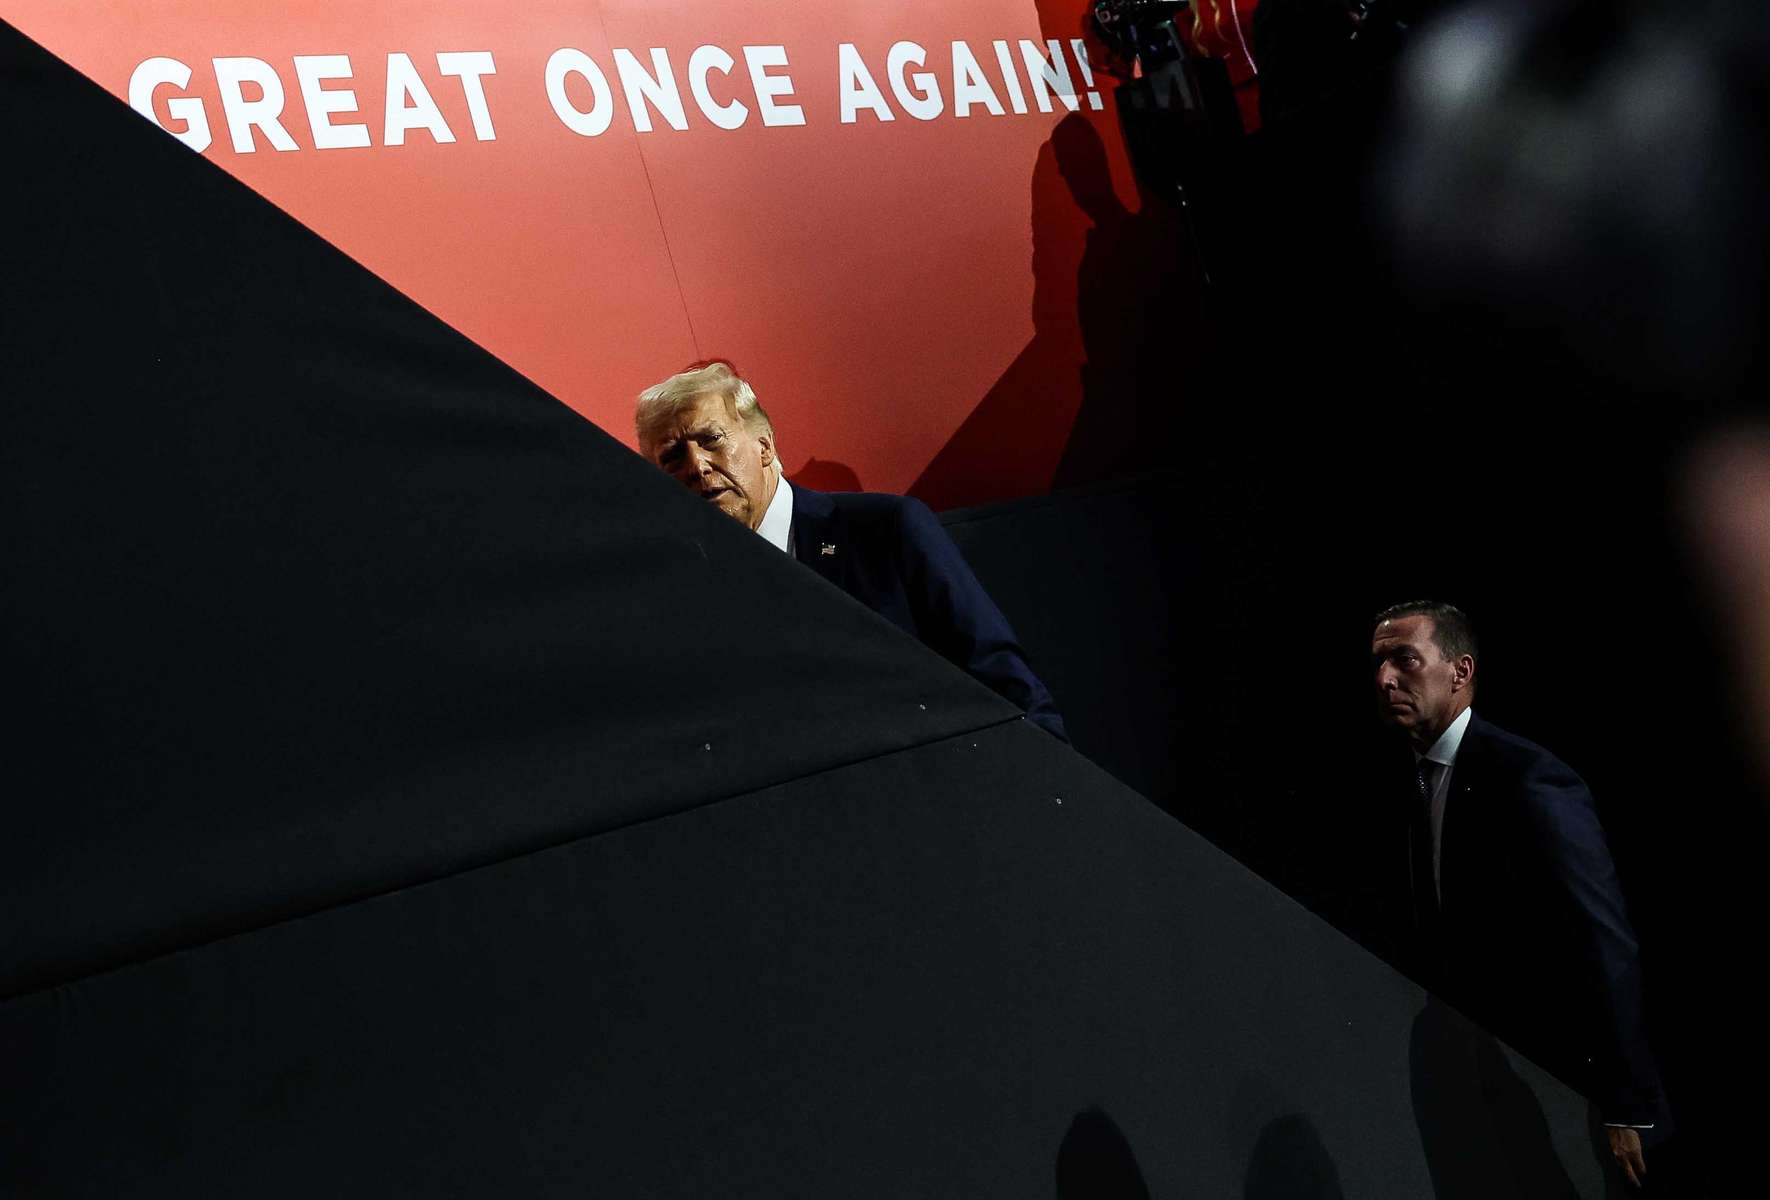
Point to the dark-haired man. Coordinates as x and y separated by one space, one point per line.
1515 914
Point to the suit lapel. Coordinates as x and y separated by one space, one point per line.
816 540
1458 838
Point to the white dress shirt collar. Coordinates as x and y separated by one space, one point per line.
1444 750
777 522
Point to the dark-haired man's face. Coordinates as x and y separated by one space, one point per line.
710 451
1419 690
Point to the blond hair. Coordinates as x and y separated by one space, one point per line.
662 401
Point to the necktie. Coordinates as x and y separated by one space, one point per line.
1420 831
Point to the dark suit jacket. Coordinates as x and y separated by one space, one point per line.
1532 939
891 554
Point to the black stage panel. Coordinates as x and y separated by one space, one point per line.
308 597
909 976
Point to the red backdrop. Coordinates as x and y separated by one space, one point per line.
876 279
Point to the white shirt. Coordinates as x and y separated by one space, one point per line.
1443 756
777 522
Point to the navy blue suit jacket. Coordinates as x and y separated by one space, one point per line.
891 554
1532 940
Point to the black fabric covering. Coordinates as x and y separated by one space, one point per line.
308 597
407 792
903 977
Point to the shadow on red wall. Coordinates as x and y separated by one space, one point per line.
823 475
1118 326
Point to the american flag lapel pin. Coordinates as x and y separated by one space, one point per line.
826 548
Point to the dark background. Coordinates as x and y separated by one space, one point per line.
1364 438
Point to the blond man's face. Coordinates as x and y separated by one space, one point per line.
708 449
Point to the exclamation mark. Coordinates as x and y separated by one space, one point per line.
1080 49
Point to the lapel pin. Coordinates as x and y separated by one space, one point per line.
826 548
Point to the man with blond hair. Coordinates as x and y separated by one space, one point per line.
705 428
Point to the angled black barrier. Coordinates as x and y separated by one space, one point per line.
309 597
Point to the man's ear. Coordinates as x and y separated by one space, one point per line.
766 442
1463 673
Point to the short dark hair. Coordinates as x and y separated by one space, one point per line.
1452 631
